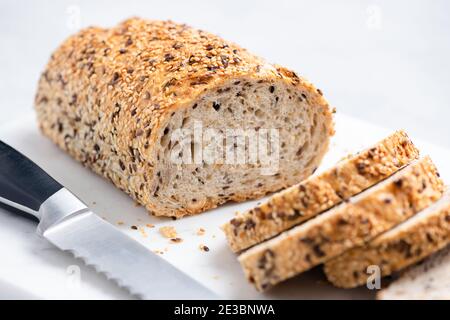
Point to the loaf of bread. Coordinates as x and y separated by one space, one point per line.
320 192
148 105
348 225
420 236
427 281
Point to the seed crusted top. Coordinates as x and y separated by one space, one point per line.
107 94
153 66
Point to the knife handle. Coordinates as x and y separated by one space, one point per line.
23 184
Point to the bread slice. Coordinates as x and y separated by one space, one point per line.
350 224
398 248
429 280
179 118
321 192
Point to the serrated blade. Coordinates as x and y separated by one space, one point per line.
123 259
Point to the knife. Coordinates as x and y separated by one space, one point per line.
70 225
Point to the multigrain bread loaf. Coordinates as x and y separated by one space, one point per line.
350 224
418 237
114 98
429 280
321 192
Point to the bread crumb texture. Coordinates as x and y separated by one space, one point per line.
112 97
321 192
347 226
410 242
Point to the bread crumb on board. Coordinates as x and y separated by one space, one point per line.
142 231
150 225
168 232
203 248
176 240
200 231
120 223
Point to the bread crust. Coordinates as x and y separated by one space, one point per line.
394 250
351 224
106 94
321 192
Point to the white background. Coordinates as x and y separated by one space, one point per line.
382 61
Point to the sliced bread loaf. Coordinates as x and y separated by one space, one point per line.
350 224
321 192
429 280
398 248
179 118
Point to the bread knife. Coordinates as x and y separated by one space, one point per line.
66 222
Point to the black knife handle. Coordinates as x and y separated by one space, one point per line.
23 182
